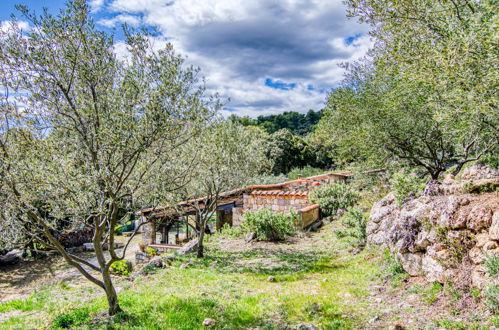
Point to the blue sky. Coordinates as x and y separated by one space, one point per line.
264 56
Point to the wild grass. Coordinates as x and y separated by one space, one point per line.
311 286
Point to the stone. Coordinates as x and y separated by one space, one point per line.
250 236
481 239
190 247
433 269
88 246
411 262
209 323
306 326
204 294
476 255
494 227
271 279
490 245
156 262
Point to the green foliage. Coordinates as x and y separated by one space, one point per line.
121 268
431 295
492 265
405 185
151 252
332 197
491 160
492 298
425 96
33 302
297 123
304 172
269 226
354 222
71 319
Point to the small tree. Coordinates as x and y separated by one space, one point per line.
227 156
86 132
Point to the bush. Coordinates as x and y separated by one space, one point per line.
492 298
491 160
74 318
405 185
269 226
332 197
121 268
354 222
492 265
151 252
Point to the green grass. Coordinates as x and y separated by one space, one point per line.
317 286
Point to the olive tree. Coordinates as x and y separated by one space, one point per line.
227 156
87 132
443 54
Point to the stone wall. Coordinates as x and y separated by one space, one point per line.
442 237
277 203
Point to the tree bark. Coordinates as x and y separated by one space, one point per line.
200 253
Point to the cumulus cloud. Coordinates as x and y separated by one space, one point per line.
243 45
120 19
96 5
6 26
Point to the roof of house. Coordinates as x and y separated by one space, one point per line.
228 197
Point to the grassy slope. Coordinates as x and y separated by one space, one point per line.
316 281
319 286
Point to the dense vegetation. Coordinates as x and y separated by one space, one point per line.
297 123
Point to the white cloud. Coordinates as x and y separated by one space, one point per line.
240 43
96 5
6 26
120 19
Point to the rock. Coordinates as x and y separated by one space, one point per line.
481 239
490 245
141 257
156 262
250 236
88 246
306 326
494 227
412 263
209 323
479 218
190 247
204 294
476 255
271 279
433 269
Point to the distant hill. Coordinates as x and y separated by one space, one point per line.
297 123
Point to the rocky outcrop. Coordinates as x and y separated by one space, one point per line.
445 234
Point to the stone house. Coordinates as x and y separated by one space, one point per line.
282 197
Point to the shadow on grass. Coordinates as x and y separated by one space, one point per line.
262 262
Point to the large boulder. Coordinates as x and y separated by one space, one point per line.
190 247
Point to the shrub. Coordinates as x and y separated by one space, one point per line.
121 268
491 160
71 319
269 226
354 222
492 265
492 298
405 185
332 197
151 252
